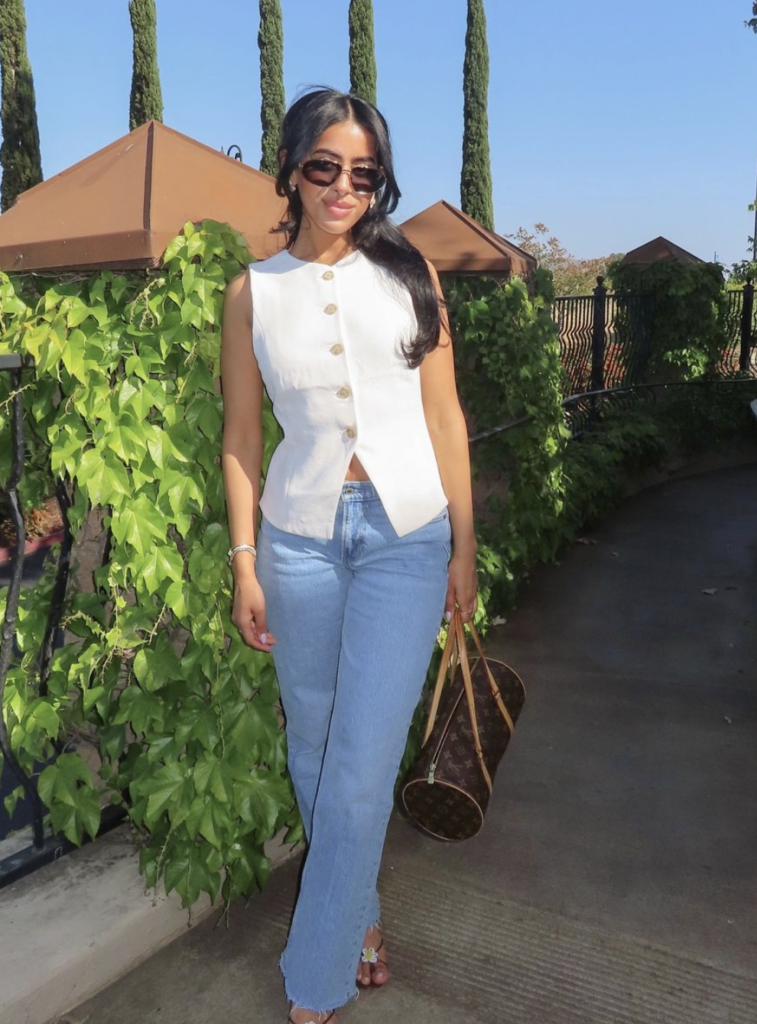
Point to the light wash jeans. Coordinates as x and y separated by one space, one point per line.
356 618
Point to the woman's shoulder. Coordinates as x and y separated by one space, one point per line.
275 264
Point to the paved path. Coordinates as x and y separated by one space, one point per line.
615 880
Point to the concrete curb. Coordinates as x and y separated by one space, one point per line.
75 926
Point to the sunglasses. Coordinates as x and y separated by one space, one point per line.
325 172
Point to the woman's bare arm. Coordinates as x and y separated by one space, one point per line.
449 436
242 455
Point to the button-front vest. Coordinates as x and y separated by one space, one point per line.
327 341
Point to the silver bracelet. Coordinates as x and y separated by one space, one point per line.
241 547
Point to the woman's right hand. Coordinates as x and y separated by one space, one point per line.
249 613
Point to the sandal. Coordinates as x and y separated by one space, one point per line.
326 1021
370 955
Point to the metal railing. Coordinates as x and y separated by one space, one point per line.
44 848
605 347
740 353
605 339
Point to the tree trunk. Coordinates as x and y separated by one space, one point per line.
476 177
362 50
19 154
272 101
146 102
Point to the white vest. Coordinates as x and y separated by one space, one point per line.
327 341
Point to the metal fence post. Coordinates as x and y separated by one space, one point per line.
598 337
746 326
8 630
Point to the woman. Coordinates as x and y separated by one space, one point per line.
354 566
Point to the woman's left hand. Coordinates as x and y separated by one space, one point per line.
462 587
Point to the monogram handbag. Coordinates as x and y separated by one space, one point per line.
469 727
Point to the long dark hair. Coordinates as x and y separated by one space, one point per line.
374 234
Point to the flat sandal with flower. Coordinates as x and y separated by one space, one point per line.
370 955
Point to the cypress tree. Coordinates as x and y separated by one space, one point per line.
19 154
146 102
362 50
272 102
476 177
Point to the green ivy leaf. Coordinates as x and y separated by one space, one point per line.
187 872
248 866
43 716
258 799
12 799
213 777
183 492
157 665
126 438
166 789
163 562
161 447
102 477
139 709
66 788
140 524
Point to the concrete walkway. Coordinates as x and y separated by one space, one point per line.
615 881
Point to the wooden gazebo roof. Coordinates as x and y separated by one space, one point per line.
121 206
659 249
457 244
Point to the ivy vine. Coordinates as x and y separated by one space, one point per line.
125 407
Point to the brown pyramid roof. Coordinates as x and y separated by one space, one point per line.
659 249
121 206
457 244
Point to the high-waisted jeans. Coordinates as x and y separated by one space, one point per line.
355 619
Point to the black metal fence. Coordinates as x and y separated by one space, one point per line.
740 353
30 811
605 339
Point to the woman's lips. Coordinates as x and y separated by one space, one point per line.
338 209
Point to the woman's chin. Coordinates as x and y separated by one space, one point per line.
335 226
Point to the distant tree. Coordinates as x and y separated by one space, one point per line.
362 50
741 272
745 270
272 99
146 102
476 178
572 276
752 23
19 153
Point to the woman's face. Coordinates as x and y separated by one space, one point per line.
337 207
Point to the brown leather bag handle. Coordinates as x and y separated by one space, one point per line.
492 681
468 686
447 662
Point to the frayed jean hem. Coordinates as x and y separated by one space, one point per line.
304 1004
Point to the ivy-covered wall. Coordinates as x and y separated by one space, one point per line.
124 405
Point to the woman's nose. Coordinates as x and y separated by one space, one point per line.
339 178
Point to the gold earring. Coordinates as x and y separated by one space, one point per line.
372 202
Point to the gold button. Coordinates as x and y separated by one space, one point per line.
331 308
336 350
343 393
351 432
329 274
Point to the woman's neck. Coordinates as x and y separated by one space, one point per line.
320 247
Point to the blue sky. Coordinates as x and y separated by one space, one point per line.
610 122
